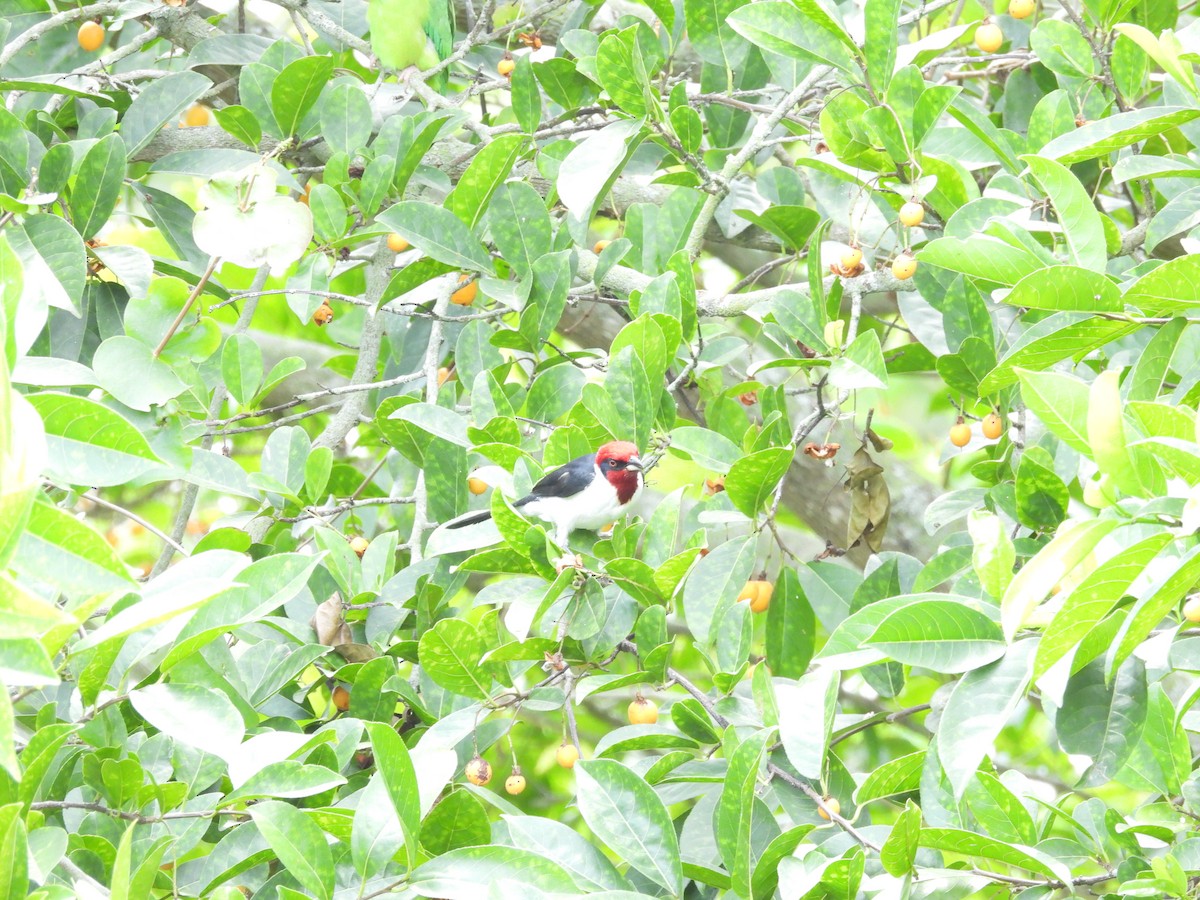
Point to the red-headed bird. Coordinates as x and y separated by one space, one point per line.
588 492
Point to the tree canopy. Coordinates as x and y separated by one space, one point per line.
899 298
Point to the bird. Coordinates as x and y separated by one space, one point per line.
588 492
412 33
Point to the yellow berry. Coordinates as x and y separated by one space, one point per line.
903 266
567 756
993 426
989 37
443 375
396 243
323 315
91 36
341 698
1021 9
359 545
763 600
642 711
515 783
465 295
197 114
851 259
960 434
1191 609
912 214
478 771
831 803
505 67
476 486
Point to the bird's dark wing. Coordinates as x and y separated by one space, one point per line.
565 481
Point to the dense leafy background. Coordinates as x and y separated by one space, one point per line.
980 654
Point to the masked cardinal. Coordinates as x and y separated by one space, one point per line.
588 492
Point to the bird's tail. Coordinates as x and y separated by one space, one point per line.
472 519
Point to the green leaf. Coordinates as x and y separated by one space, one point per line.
286 778
941 635
993 556
57 548
199 716
899 851
296 90
628 816
437 233
129 371
711 37
457 820
624 72
714 584
89 443
896 776
487 172
735 810
1079 218
708 449
1061 402
346 118
241 123
472 871
979 707
1040 494
632 397
14 847
1167 288
1106 433
1067 288
526 98
328 211
1100 720
98 185
861 366
160 103
1115 132
753 478
451 653
24 662
1061 336
782 28
400 778
1149 610
588 867
589 171
242 367
811 703
880 22
981 256
54 260
520 226
791 627
966 843
299 843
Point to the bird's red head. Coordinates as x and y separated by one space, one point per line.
619 463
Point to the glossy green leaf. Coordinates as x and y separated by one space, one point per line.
299 844
296 90
941 635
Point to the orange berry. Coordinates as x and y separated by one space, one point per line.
515 783
599 247
989 37
341 698
912 214
993 426
197 114
443 375
478 771
396 243
567 755
1021 9
323 315
960 433
505 67
91 36
1191 609
359 545
831 803
465 295
763 599
903 266
642 711
476 486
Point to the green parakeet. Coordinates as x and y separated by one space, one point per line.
412 33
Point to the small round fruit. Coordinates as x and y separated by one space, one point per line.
515 783
903 266
567 756
443 375
341 698
478 771
599 247
197 114
760 602
364 759
749 591
91 36
505 67
465 295
396 243
359 545
476 486
831 803
1021 9
960 433
993 426
324 315
1191 609
989 37
851 259
912 214
642 711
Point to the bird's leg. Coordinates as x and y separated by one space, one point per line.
568 560
383 73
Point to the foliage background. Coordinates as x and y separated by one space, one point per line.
979 654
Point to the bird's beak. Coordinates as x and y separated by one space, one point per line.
634 463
